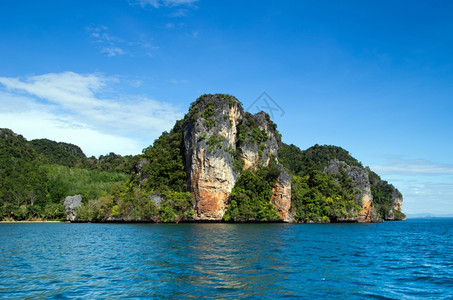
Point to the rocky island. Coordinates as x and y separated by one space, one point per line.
219 163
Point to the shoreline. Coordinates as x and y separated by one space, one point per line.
35 221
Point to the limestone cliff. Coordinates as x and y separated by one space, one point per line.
221 140
387 199
281 195
361 182
394 212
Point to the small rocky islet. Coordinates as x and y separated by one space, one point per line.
218 163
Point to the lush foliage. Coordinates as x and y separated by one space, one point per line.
36 176
59 153
383 197
128 202
23 192
251 196
70 155
165 165
323 197
157 192
317 157
318 196
112 163
90 184
249 131
215 141
32 189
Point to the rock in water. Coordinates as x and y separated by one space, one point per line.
71 203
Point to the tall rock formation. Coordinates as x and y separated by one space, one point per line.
361 182
387 199
221 140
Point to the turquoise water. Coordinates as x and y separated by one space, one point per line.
412 259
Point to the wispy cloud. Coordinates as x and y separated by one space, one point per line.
108 43
159 3
182 12
112 51
427 186
421 196
83 109
112 45
413 167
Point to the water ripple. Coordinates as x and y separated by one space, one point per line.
395 260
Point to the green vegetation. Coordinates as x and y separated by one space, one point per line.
36 176
208 114
317 157
227 97
112 163
59 153
318 196
129 202
23 190
251 196
165 179
273 129
383 195
32 188
209 123
165 167
90 184
250 132
323 197
215 141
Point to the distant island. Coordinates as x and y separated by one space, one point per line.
218 164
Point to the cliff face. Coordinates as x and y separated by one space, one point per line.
281 195
221 140
387 199
361 182
397 202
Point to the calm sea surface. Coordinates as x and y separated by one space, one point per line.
393 260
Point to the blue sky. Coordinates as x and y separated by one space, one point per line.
374 77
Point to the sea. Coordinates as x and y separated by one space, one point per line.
392 260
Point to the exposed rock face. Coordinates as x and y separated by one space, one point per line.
208 138
281 197
71 203
397 200
361 182
257 154
217 134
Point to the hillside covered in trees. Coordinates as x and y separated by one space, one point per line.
218 163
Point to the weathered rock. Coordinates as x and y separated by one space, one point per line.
361 181
259 154
209 141
71 203
157 199
397 200
281 195
213 142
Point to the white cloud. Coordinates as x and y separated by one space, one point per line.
112 45
74 108
426 196
176 81
413 167
159 3
113 51
427 186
